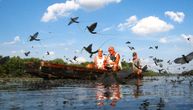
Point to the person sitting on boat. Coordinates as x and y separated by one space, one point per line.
113 60
136 65
99 60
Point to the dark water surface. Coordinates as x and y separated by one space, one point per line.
150 93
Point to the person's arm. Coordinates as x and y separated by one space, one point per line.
105 61
139 64
117 60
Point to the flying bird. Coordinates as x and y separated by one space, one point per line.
92 27
169 62
156 47
150 47
128 42
73 20
156 61
150 56
47 53
89 50
70 61
160 70
75 57
188 38
184 59
27 53
34 37
131 48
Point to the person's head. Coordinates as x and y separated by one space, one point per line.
134 54
100 52
111 50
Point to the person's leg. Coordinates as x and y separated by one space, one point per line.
115 68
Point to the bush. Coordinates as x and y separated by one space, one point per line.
150 73
14 67
58 61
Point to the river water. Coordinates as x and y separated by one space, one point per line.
149 93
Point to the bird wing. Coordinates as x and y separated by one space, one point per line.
37 39
35 35
70 22
93 26
75 18
179 61
95 52
130 48
189 57
31 38
89 48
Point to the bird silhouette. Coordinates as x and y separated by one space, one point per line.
47 53
150 56
128 42
73 20
92 27
27 53
156 61
34 37
156 47
160 70
89 50
169 62
150 47
75 57
184 59
131 48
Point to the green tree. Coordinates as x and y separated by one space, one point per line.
126 65
58 61
14 67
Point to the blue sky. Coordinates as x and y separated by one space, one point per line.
143 22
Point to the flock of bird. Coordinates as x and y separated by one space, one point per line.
91 28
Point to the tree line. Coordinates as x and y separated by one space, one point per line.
15 66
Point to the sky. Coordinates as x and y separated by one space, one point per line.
145 23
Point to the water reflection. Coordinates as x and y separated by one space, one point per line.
148 93
105 93
137 91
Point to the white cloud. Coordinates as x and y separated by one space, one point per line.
81 59
77 51
129 22
178 48
52 53
95 4
64 9
164 40
16 39
66 48
175 16
59 10
150 25
147 61
22 51
107 29
13 52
